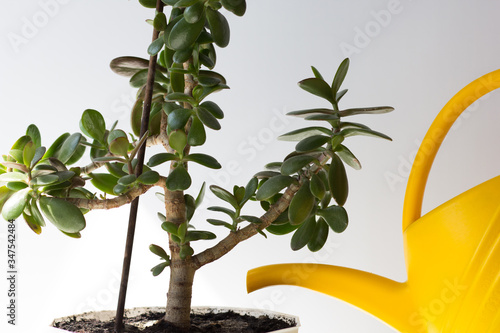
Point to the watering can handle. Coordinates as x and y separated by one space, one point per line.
429 147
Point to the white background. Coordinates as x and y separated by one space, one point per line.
412 55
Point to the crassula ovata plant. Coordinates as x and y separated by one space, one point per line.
302 195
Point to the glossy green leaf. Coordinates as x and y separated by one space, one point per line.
28 153
148 3
266 174
348 157
311 143
104 182
327 117
127 180
149 177
337 180
161 158
250 189
128 66
219 27
17 154
177 140
213 108
195 12
21 142
181 56
197 134
216 222
372 110
316 73
180 97
160 21
177 79
64 215
190 206
156 46
302 204
14 206
69 147
92 124
36 214
159 251
336 217
319 237
32 223
15 166
311 112
39 152
45 180
178 118
34 133
194 235
318 87
179 179
237 7
170 227
281 229
186 251
184 34
225 195
273 185
203 159
251 219
304 234
16 186
318 188
158 269
200 196
207 118
340 94
13 177
296 163
231 213
306 132
340 76
361 131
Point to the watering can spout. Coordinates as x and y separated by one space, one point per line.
386 299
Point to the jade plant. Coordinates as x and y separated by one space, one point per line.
303 195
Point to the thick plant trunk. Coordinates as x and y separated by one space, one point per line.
179 294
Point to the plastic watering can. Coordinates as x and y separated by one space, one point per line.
452 253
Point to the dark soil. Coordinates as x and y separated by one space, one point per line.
227 322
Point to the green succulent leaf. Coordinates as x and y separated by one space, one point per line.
197 134
160 21
34 133
104 182
69 147
30 221
250 189
340 76
273 186
179 179
216 222
316 73
156 46
203 159
340 94
282 229
195 235
15 166
184 34
303 133
14 206
251 219
39 152
161 158
16 186
231 213
149 177
186 251
311 143
194 12
219 27
336 217
178 140
319 237
13 177
148 3
225 195
304 234
207 118
302 204
372 110
92 124
237 7
64 215
318 87
170 227
348 157
337 180
361 131
296 163
159 251
318 188
178 118
158 269
213 108
200 196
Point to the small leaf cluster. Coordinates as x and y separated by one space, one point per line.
34 180
317 165
118 154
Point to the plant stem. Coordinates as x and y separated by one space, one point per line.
119 326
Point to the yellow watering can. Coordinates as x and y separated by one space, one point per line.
452 253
